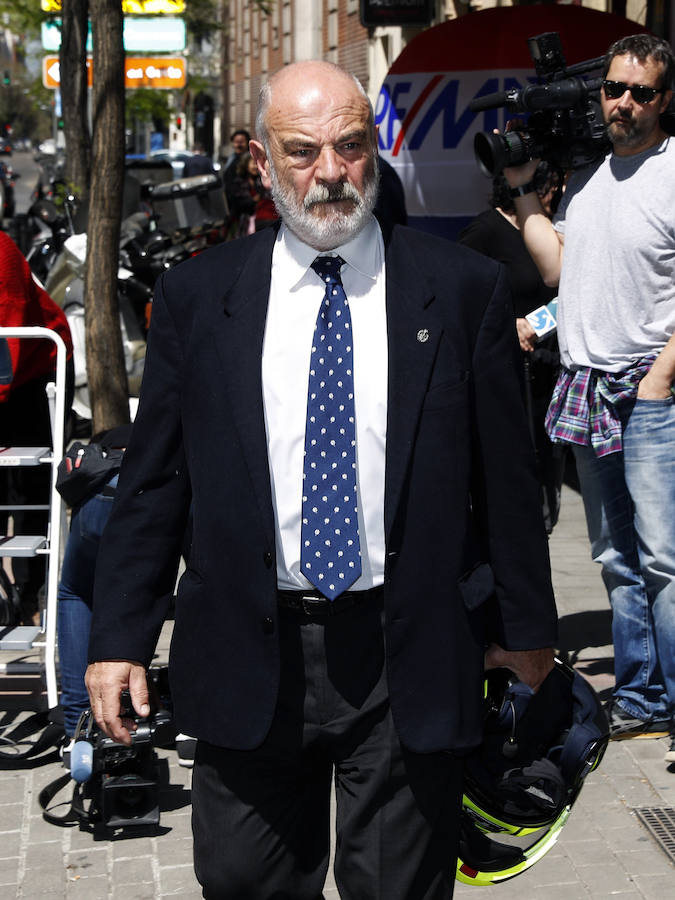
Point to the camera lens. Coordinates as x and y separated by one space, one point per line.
494 152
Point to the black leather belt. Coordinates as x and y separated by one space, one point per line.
313 603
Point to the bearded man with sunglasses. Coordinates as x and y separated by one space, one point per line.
611 248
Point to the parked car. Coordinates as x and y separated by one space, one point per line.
47 147
177 158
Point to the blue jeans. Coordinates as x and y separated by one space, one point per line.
630 511
75 597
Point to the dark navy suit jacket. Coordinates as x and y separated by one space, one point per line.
466 550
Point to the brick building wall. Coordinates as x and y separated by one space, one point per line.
260 44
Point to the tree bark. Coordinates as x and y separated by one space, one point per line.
73 76
108 389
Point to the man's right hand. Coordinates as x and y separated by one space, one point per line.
105 682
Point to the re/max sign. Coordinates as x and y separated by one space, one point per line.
410 107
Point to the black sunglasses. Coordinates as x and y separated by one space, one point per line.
639 92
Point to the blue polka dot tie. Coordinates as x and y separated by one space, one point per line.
330 554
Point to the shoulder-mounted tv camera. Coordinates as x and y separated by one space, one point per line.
121 782
565 126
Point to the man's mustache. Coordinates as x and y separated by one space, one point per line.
619 117
331 193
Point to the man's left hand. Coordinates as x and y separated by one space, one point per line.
529 666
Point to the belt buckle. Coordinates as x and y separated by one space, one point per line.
314 606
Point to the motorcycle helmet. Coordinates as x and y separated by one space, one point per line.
523 779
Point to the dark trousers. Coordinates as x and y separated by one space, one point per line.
261 818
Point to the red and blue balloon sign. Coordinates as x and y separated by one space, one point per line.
426 128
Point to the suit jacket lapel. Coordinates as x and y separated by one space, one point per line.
238 332
413 332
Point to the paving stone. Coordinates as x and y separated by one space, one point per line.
53 894
11 816
80 838
41 831
133 847
580 827
133 871
174 851
39 880
558 892
651 860
134 892
553 870
89 863
9 870
656 887
627 838
88 888
617 761
44 855
178 881
635 791
605 875
12 790
10 843
585 852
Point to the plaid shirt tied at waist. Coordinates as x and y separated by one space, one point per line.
583 408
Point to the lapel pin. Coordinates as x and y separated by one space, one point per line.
423 335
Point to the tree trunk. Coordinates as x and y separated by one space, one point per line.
108 390
73 69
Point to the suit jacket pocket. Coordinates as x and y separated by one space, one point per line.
477 585
447 393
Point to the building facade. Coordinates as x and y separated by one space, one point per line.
260 36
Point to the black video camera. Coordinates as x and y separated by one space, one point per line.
121 782
565 127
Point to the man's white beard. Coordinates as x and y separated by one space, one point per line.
325 232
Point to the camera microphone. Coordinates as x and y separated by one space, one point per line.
492 101
81 761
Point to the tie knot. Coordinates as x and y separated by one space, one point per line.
328 268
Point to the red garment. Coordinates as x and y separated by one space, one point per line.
24 303
265 210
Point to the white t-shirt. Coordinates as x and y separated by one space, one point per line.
617 286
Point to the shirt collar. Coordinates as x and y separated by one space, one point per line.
295 257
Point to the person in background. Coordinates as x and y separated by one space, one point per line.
495 233
199 163
24 411
611 248
253 206
239 140
390 208
76 585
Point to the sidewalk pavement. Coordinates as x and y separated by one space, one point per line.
604 850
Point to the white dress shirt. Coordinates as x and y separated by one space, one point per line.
296 293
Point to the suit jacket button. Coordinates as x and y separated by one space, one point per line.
267 558
268 625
